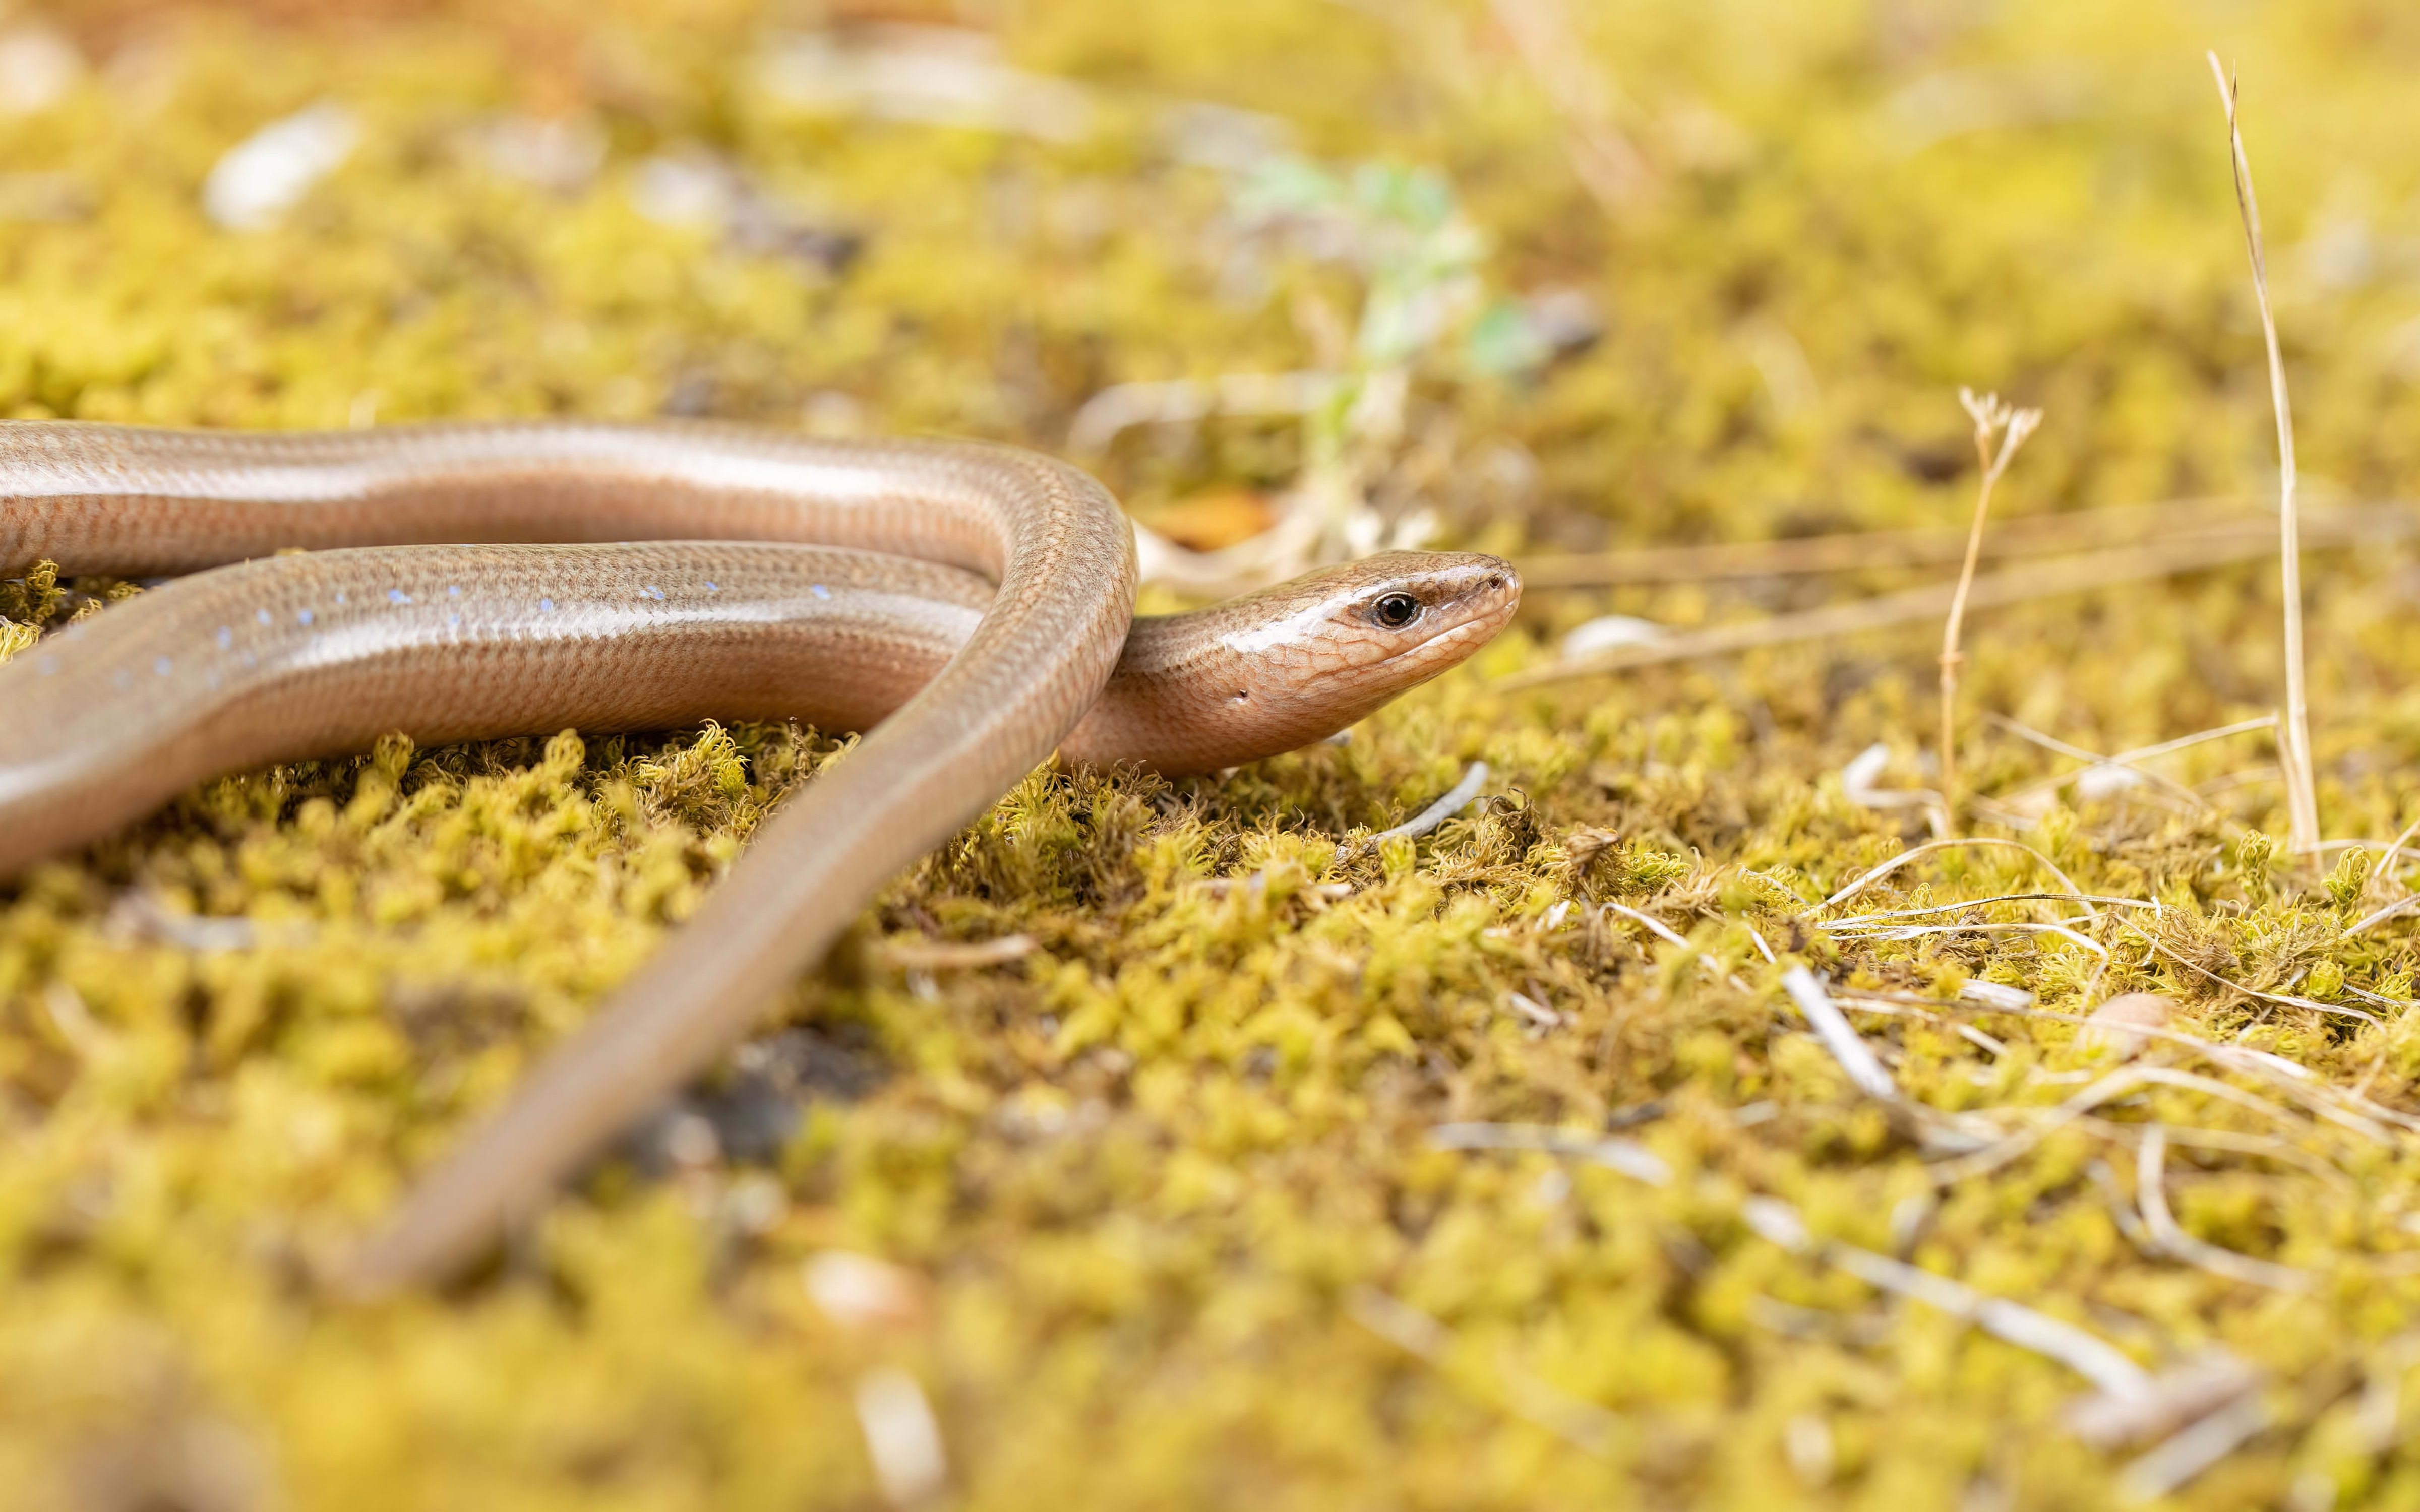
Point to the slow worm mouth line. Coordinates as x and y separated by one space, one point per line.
135 502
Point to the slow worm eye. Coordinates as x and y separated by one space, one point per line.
1396 610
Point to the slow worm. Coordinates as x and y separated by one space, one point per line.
967 603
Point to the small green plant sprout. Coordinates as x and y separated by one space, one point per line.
1999 430
2349 880
1425 306
2253 853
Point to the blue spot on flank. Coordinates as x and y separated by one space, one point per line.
454 619
262 615
547 604
820 590
453 590
340 595
713 588
654 592
226 638
303 616
396 595
163 665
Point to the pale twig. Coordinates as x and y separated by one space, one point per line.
2085 897
1999 995
2047 578
2251 776
2381 1391
2150 1194
902 1437
1904 856
2144 753
2394 852
2267 1147
1995 1048
2194 1449
2128 759
1628 1156
1839 1035
1857 781
1671 936
1662 931
2029 535
2099 763
2282 999
2302 791
913 954
1457 799
2088 1355
1994 424
1189 401
1918 931
2394 910
2181 1394
2349 1110
2106 1090
2398 849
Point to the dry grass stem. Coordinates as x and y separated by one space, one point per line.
2392 851
2302 793
2347 1110
2088 900
2128 759
1457 799
2050 578
2184 1393
1915 931
2032 535
2098 762
1628 1156
2151 1196
2264 1147
953 955
2046 1123
2194 1449
1670 937
2394 910
2281 999
2382 1391
1998 432
1601 154
1870 878
2088 1355
2076 1110
1839 1035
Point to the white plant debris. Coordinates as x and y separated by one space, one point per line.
267 173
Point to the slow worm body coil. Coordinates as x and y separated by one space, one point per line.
967 604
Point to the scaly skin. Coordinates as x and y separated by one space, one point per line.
966 688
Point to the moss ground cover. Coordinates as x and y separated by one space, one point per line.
1167 1216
